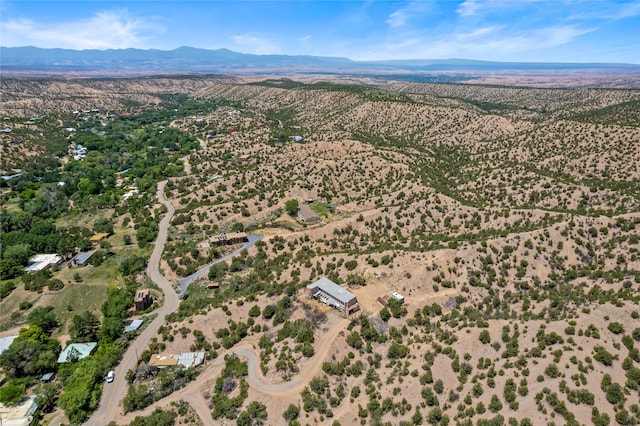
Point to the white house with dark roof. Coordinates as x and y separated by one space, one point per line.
333 295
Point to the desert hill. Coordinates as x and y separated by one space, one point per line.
507 216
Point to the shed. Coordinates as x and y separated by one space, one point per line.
48 377
132 325
98 237
398 297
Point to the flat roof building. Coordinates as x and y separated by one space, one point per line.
333 295
40 262
186 359
229 238
98 237
142 299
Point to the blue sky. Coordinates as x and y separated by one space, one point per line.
515 30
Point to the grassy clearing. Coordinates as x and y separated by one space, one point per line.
76 297
320 209
83 220
11 304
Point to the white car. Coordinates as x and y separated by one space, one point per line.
110 376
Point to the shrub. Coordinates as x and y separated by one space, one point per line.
616 328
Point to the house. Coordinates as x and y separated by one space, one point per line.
142 299
82 258
244 159
213 285
20 414
229 239
186 359
398 297
307 215
9 177
40 262
76 351
5 342
98 237
132 325
334 295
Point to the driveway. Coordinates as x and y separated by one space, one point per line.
184 284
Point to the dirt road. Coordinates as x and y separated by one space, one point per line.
194 391
112 394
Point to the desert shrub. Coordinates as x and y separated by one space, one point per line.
615 328
603 356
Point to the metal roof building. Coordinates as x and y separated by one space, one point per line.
334 295
76 352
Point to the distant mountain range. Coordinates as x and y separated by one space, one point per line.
189 59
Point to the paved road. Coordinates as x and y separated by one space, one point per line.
113 393
188 280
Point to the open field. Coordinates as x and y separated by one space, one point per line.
507 216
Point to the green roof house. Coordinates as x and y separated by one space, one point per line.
76 351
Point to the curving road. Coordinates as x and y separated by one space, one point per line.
113 392
285 391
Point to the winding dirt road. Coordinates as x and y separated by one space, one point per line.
194 391
110 404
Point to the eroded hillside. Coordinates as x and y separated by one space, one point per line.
506 216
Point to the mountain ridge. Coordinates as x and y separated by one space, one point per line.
191 59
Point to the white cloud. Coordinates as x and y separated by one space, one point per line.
254 43
498 43
400 17
104 30
468 8
479 32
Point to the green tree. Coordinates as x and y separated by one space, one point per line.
32 353
291 413
256 414
12 392
43 317
84 327
291 207
47 396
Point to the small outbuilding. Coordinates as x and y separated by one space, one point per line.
97 238
398 297
132 325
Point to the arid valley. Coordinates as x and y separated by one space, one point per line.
503 214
